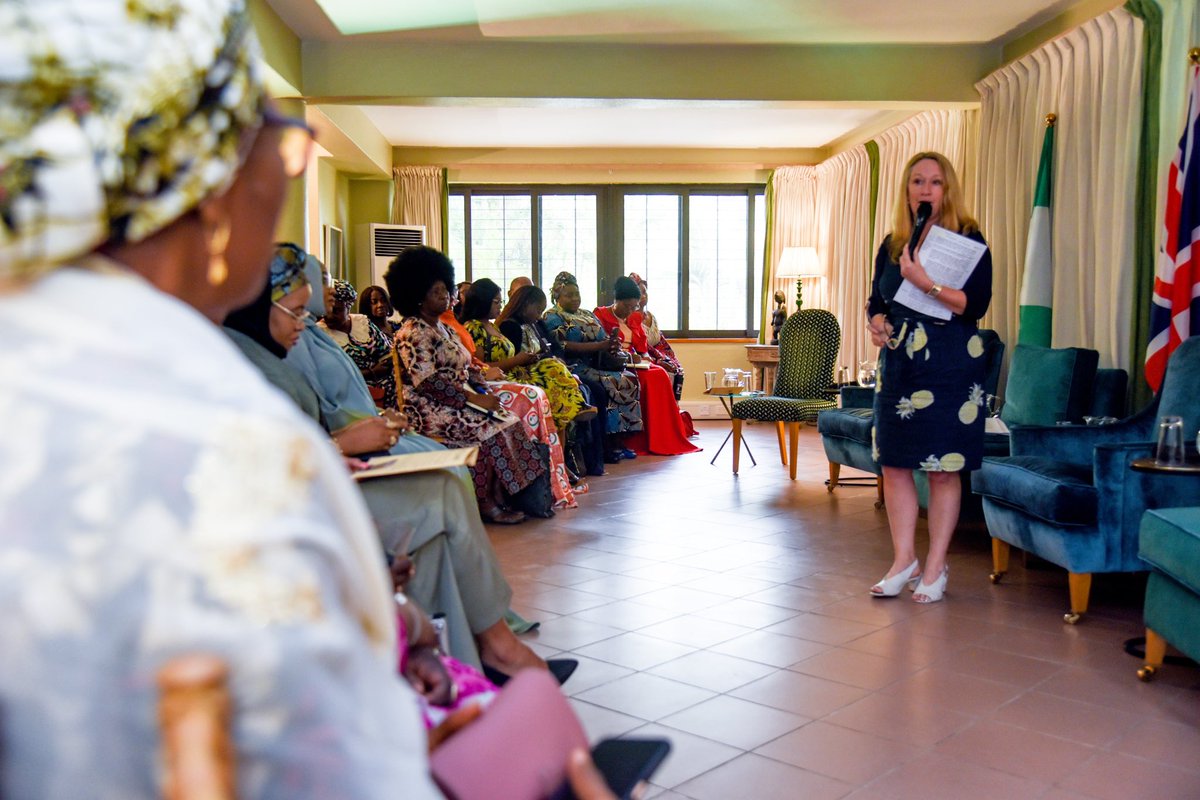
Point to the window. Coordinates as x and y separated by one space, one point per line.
700 248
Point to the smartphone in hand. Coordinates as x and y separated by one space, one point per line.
624 763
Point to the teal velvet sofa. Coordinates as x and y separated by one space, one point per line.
1170 545
1069 495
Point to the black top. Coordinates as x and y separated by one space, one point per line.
514 332
887 280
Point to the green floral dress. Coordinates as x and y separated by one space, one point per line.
551 374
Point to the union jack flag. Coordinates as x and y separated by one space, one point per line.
1175 308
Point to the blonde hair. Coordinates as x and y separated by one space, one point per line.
954 216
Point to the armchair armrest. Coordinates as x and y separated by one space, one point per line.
857 396
1072 443
1124 494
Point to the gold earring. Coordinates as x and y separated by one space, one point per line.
218 267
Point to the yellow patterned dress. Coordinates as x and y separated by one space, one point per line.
551 374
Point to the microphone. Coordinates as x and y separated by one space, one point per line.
924 209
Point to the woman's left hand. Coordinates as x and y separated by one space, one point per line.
428 675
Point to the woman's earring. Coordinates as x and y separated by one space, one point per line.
218 267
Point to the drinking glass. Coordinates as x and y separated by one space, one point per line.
1170 451
710 380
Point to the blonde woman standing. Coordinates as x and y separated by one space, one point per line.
929 398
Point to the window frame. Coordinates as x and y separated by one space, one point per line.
610 236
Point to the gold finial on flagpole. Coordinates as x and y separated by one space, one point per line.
1051 119
1194 56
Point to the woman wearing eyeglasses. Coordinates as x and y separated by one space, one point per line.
367 346
929 399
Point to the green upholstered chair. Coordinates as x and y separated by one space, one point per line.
1169 543
1068 494
808 346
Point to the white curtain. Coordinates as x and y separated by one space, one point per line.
1091 78
417 200
953 133
843 243
795 225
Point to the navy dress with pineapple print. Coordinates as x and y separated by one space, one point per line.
929 396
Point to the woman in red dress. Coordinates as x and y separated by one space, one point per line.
664 432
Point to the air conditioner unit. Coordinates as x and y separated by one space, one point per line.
377 245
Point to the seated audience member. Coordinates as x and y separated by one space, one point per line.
159 496
460 576
367 345
518 283
531 364
530 405
583 340
665 432
657 347
445 397
376 306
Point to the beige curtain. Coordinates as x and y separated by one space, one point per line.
953 133
843 243
795 216
417 200
1091 78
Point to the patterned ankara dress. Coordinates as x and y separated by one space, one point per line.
550 374
367 345
436 370
530 405
624 410
929 398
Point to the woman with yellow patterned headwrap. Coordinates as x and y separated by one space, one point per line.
158 496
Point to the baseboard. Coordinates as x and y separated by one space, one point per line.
704 409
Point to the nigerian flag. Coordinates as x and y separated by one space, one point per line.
1038 284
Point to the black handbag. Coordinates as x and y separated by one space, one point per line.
612 362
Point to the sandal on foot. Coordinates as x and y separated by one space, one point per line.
890 587
934 592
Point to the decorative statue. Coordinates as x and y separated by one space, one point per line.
777 317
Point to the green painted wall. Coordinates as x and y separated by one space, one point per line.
368 200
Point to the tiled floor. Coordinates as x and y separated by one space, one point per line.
730 614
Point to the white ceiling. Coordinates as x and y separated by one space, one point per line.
573 123
678 124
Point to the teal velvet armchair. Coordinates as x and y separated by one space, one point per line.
1069 496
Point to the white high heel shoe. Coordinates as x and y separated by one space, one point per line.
890 587
934 592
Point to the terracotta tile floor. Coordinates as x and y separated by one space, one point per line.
730 615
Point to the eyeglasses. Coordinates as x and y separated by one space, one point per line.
295 140
302 316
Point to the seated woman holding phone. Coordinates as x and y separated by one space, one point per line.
595 357
665 433
445 397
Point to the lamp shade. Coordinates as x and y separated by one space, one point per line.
800 262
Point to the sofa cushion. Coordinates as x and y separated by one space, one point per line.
1169 540
847 423
1054 491
1046 386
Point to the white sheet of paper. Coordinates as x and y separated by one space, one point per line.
424 461
949 259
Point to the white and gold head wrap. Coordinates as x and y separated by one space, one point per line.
116 118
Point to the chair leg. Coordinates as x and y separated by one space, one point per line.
835 469
999 559
782 449
793 446
1080 584
879 492
737 444
1156 651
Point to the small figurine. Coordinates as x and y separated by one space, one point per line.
777 317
